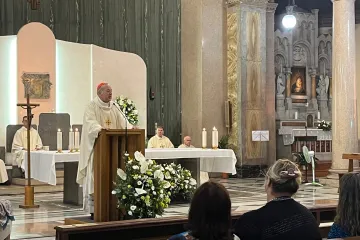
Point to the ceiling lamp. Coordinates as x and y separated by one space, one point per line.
289 20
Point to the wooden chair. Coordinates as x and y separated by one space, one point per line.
351 157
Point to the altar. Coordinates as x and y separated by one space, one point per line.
196 160
295 134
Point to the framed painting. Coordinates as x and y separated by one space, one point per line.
298 81
39 85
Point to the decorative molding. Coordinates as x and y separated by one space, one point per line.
258 3
271 7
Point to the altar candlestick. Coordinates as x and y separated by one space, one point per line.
215 138
203 142
77 139
59 140
296 115
318 115
71 140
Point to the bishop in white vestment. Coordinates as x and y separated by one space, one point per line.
19 145
159 140
101 113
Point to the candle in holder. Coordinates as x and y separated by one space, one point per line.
215 138
318 115
77 140
71 140
59 140
203 138
296 115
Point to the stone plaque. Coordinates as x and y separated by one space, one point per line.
49 123
39 85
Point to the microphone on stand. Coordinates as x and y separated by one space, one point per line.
126 128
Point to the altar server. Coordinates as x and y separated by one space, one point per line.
159 140
19 145
101 113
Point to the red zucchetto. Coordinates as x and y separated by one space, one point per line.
100 85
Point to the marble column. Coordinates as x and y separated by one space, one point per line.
344 115
270 79
203 57
191 69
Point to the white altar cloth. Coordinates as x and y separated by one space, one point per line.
43 164
220 160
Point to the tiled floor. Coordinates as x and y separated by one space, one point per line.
246 194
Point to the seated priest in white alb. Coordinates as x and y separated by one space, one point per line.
187 143
159 140
19 145
101 113
204 176
3 173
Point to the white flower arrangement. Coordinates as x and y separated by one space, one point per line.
141 189
182 185
128 107
325 126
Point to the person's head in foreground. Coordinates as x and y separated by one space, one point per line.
347 220
160 131
282 179
281 218
104 92
187 141
210 213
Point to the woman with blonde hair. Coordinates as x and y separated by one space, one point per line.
282 218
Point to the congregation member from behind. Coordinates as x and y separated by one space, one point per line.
209 214
282 218
347 220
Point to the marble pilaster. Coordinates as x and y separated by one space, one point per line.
313 90
288 103
270 83
344 115
204 90
252 79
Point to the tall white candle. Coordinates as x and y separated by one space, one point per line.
203 138
318 115
296 115
71 140
77 139
59 140
215 138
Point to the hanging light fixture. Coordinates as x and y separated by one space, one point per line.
289 20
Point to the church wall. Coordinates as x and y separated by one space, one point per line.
130 76
74 88
8 80
148 28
